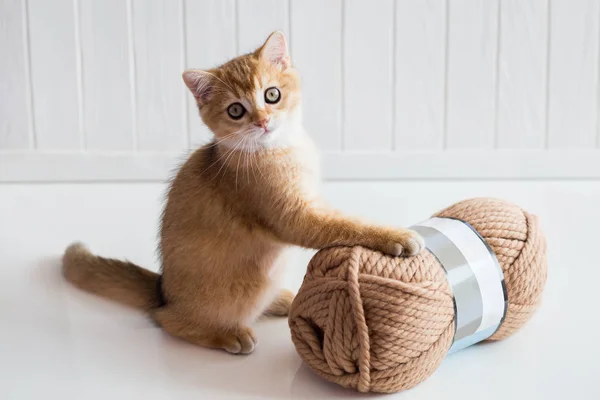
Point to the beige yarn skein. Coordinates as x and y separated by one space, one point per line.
377 323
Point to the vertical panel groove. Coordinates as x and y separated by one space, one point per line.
419 74
258 19
316 54
79 71
394 61
289 27
367 58
471 74
521 89
27 56
157 46
598 91
548 46
446 63
185 111
108 117
343 72
53 60
132 86
573 74
497 86
236 6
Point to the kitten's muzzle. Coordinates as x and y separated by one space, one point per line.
262 123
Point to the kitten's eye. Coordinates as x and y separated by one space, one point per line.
272 95
236 111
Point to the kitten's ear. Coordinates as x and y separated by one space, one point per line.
199 82
275 50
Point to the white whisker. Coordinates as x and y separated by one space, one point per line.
219 159
228 158
248 167
255 142
239 159
224 138
251 156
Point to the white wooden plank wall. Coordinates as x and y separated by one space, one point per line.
159 95
54 74
392 89
16 119
317 53
573 74
256 19
522 74
108 84
419 74
472 40
368 37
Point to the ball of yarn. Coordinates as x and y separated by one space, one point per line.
373 322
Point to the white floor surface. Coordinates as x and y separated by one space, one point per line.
59 343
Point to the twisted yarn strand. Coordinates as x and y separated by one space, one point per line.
377 323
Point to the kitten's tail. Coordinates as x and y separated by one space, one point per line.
117 280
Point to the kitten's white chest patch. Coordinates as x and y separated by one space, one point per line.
308 157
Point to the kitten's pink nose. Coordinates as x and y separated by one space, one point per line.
262 123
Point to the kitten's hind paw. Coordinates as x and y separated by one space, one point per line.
280 307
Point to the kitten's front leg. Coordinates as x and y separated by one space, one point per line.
306 225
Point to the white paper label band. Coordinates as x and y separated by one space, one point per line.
476 279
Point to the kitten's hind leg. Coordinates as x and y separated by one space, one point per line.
239 339
280 307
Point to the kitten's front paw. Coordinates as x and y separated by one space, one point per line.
401 243
241 341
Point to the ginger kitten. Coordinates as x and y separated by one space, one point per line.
231 210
